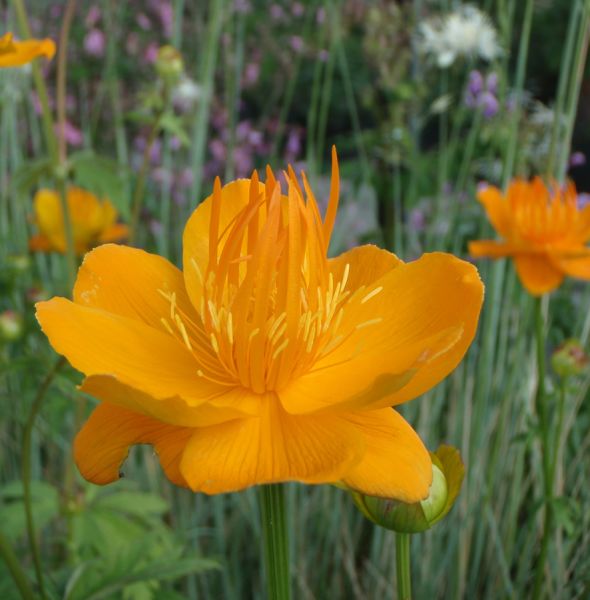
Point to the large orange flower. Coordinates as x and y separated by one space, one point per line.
544 231
93 221
263 361
16 54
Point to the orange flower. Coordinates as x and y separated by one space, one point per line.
544 230
93 221
16 54
263 361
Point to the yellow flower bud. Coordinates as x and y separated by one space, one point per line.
570 359
447 476
11 326
169 64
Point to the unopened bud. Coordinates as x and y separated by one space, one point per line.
169 64
570 359
11 326
447 476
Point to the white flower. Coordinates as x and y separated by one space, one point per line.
186 94
466 33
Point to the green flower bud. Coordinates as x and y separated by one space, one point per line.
570 359
448 472
11 326
169 64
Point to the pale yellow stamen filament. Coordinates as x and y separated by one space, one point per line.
372 294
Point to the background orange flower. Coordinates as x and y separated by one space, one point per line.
16 54
543 230
93 221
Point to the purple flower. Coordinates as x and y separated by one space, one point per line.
475 85
489 104
150 54
276 12
296 42
577 159
297 9
72 134
583 200
242 6
94 43
143 21
492 83
92 17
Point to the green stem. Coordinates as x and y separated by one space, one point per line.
518 92
141 176
46 116
541 407
13 564
402 563
26 469
275 536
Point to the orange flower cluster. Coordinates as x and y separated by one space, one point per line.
543 230
263 360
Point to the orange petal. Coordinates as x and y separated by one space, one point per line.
48 215
102 445
490 248
395 464
195 241
173 411
101 343
366 264
40 243
114 233
537 274
21 53
577 264
402 335
497 210
125 281
272 448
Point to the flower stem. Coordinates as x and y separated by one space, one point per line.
13 564
26 469
137 201
402 562
541 407
276 541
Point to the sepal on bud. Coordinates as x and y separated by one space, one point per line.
448 472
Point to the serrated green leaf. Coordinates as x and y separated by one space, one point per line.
44 503
30 173
102 176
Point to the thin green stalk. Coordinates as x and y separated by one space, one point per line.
523 51
275 535
26 470
46 116
402 563
137 201
206 80
13 564
564 75
541 408
577 75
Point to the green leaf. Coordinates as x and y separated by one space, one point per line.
103 177
134 503
30 173
174 125
44 504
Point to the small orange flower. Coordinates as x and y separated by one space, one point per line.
544 231
93 221
264 361
16 54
